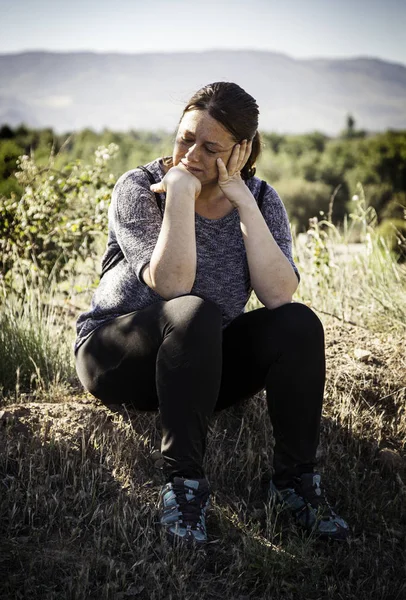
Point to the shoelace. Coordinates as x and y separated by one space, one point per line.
190 509
314 495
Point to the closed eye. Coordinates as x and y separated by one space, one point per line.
187 141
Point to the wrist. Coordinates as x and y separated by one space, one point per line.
181 195
247 203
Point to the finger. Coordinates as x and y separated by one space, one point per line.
223 172
248 152
157 188
233 160
241 154
244 154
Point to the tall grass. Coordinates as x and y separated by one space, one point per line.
35 341
359 282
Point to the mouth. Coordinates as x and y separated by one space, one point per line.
191 169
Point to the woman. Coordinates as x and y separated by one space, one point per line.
167 328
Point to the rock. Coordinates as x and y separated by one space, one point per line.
362 355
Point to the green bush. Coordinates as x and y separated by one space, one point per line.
393 231
57 219
10 186
9 153
304 199
396 207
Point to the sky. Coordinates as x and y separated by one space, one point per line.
299 28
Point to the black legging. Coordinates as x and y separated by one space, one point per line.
175 357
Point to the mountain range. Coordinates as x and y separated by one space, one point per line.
69 91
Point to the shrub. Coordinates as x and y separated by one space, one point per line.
304 199
394 233
58 217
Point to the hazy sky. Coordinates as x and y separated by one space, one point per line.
300 28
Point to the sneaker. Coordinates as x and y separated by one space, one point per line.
183 504
306 502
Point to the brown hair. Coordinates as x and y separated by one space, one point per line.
236 110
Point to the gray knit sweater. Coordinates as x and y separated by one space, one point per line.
222 273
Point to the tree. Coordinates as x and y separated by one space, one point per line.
350 130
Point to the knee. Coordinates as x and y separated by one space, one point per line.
300 321
192 311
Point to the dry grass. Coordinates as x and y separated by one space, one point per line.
78 496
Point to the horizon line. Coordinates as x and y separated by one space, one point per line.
204 51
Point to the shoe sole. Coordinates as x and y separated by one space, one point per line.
177 540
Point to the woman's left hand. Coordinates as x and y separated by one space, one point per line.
230 181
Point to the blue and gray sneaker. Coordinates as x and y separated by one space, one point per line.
183 504
306 502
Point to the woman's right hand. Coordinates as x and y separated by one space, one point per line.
178 178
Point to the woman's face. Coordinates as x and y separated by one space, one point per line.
200 140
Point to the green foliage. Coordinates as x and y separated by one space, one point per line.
10 186
378 161
135 147
350 132
304 199
9 153
6 133
295 145
58 218
396 207
394 233
381 158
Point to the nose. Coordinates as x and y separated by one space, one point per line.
192 154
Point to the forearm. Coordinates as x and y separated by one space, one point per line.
172 268
272 276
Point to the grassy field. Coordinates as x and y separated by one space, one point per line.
78 489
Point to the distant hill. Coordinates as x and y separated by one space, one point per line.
70 91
